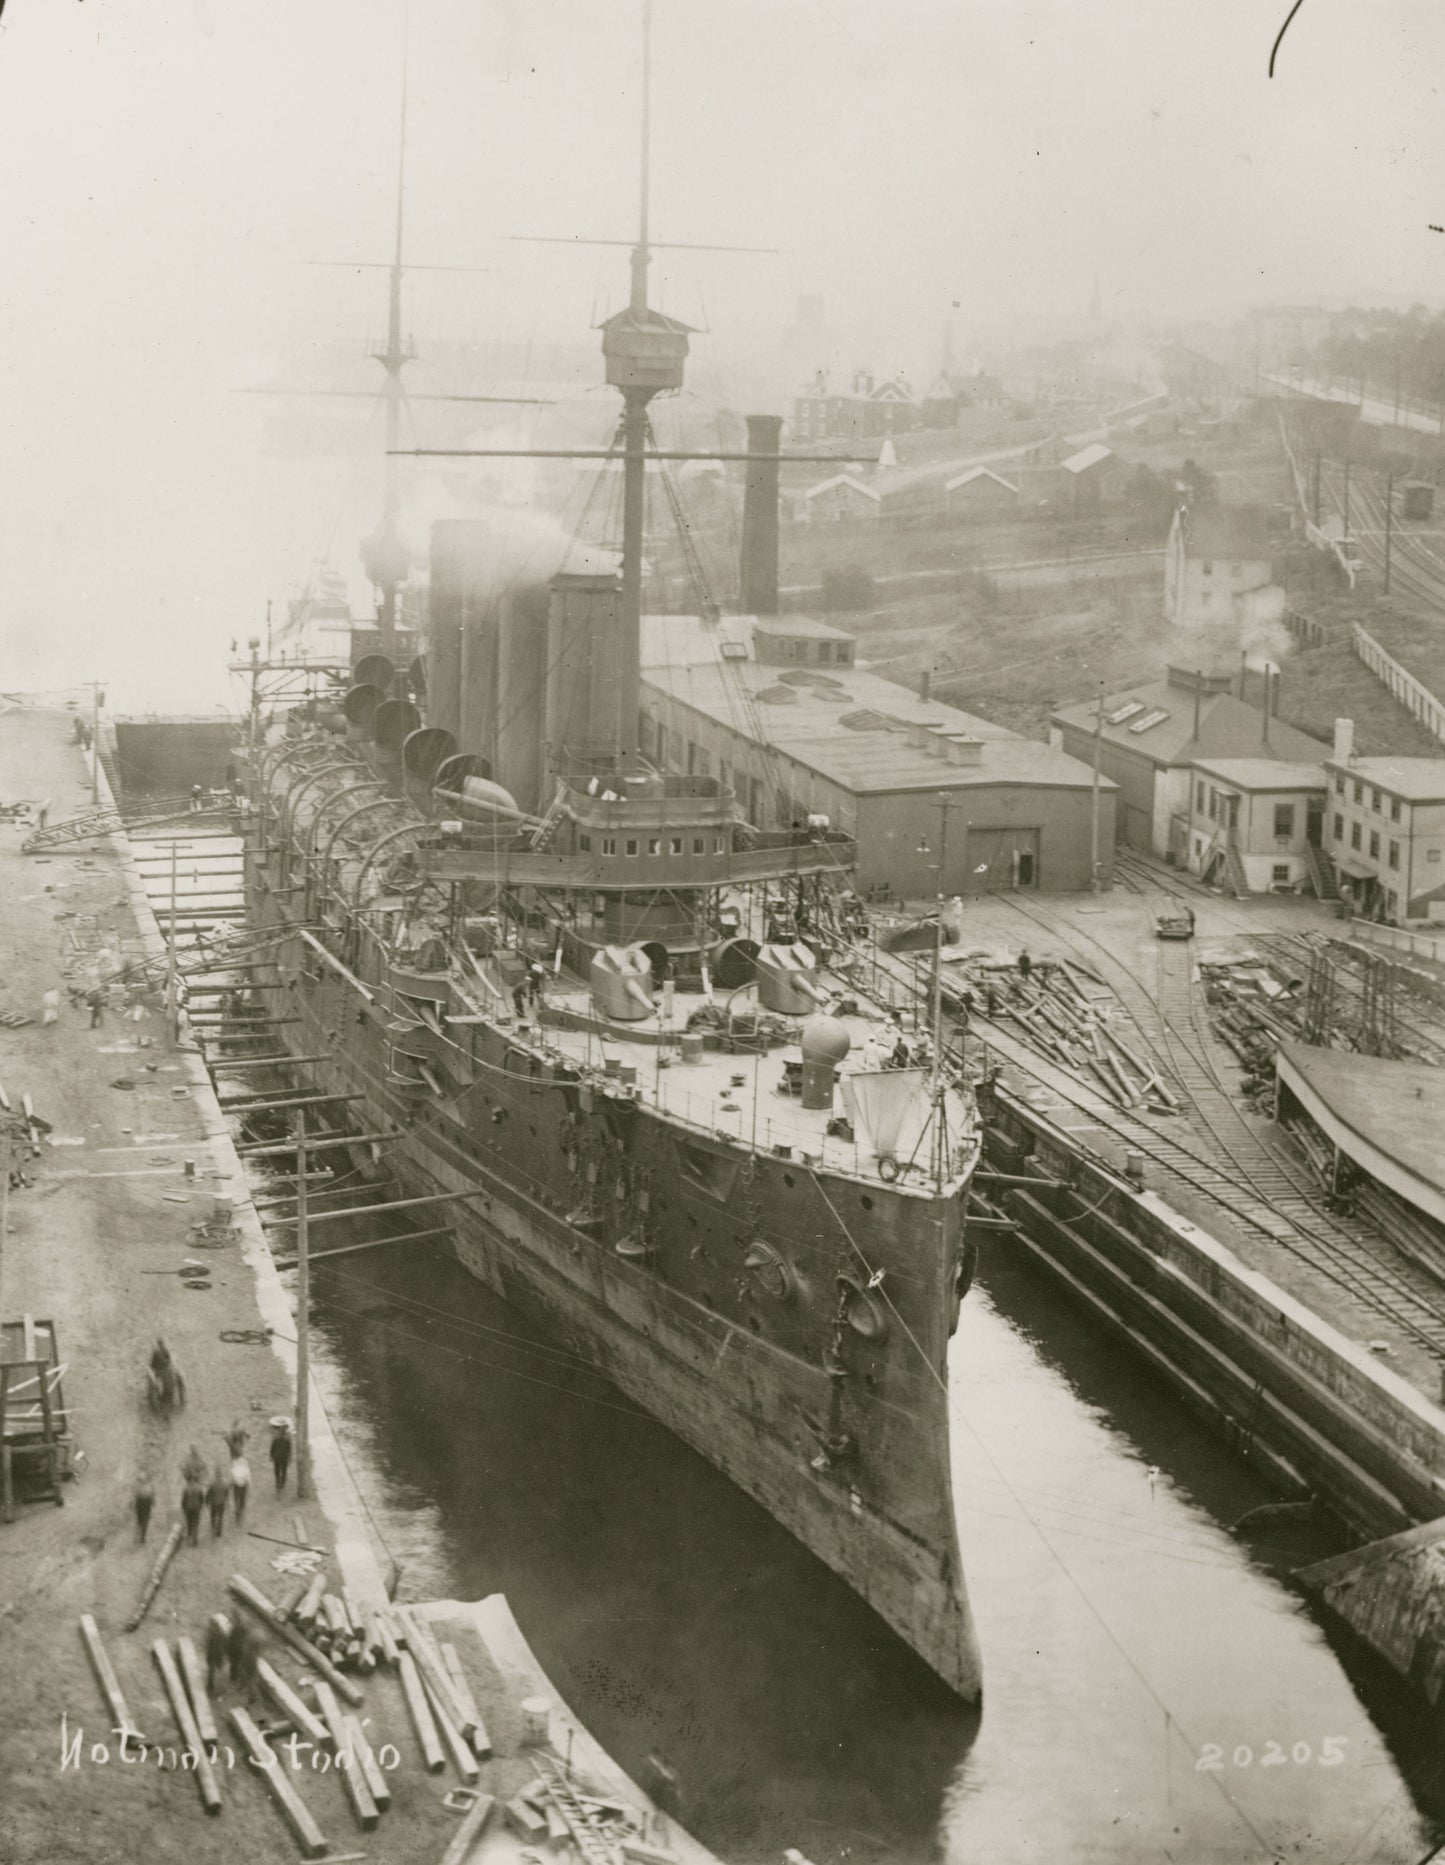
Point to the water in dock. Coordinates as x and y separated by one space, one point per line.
1153 1690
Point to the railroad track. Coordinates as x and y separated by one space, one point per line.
1296 949
1268 1192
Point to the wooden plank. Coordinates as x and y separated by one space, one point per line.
463 1758
470 1831
348 1766
290 1704
121 1717
361 1749
186 1722
195 1676
256 1601
481 1741
429 1662
273 1772
421 1717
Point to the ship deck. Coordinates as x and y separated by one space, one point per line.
739 1096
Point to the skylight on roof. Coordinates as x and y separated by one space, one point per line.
1150 720
734 650
1126 711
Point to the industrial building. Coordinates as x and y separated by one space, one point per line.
1386 832
772 706
1153 736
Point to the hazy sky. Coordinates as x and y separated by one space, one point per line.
170 165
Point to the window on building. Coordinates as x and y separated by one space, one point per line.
1392 904
1354 835
1199 798
1339 827
1394 855
843 653
1339 783
1279 871
1375 801
1234 812
631 848
717 845
1374 845
699 845
825 653
1359 791
1394 809
1283 820
609 844
1209 566
677 845
584 842
654 845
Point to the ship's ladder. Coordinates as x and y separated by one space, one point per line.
589 1842
545 832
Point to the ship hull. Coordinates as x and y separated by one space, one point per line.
755 1407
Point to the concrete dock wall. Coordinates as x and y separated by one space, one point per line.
1283 1384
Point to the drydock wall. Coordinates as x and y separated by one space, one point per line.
1288 1389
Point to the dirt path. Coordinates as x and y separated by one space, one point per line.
94 1246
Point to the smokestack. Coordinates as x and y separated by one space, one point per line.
1344 740
1198 695
1243 674
759 568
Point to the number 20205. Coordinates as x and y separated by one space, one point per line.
1213 1757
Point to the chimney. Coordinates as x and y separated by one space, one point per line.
1344 740
1243 675
758 580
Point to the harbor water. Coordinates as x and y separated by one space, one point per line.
1154 1688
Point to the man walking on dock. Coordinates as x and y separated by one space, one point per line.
216 1497
193 1500
240 1487
95 997
280 1450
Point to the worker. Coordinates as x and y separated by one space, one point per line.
220 1489
281 1451
218 1649
1026 964
43 814
194 1468
95 997
241 1656
198 797
236 1438
240 1487
50 1006
193 1500
145 1501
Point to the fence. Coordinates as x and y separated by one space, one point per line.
1417 945
1412 695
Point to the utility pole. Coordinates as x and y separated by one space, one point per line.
303 1320
1094 886
172 1029
1347 495
1389 524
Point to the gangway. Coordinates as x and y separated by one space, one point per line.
97 822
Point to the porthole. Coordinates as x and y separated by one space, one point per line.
865 1201
788 1180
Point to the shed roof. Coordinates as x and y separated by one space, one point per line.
1385 1115
1234 531
840 480
1228 727
979 472
1264 774
1093 455
847 724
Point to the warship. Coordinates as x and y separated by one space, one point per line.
632 1034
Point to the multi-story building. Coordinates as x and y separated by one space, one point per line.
1217 568
1385 831
868 410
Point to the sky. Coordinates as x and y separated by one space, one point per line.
171 167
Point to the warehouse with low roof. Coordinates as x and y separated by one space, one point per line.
937 799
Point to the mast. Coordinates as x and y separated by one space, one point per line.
385 555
